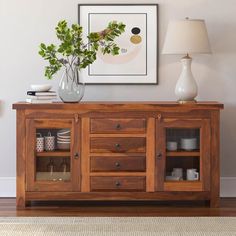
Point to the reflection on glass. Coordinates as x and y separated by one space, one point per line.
182 139
177 167
51 167
64 167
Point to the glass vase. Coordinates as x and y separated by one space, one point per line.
70 88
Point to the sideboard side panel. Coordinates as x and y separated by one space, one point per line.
215 159
21 156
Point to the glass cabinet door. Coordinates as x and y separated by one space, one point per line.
183 155
53 155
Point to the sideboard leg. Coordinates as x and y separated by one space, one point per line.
20 203
215 203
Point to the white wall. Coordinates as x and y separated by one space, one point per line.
26 23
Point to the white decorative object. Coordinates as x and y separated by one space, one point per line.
188 144
41 87
186 37
171 146
177 172
192 174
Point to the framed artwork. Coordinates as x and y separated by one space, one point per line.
137 62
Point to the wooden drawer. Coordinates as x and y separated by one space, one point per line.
118 145
118 126
128 163
137 184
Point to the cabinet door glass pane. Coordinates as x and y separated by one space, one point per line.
53 162
182 154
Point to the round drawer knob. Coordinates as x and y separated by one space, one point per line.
117 145
118 184
118 126
117 164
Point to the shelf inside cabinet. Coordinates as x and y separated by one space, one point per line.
183 185
182 153
55 176
54 154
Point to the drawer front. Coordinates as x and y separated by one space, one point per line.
109 145
129 163
118 125
118 184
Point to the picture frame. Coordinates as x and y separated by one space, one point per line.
137 62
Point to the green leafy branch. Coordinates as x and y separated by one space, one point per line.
72 51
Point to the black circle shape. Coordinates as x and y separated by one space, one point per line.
135 30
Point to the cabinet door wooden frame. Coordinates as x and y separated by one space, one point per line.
31 184
161 154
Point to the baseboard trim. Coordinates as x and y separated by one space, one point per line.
8 186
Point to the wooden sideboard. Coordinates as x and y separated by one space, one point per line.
118 151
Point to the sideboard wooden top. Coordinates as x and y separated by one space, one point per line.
104 105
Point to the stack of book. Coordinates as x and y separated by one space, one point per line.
41 97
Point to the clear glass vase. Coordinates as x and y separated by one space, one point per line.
71 89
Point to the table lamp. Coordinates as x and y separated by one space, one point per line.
186 37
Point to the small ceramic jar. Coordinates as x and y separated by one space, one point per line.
39 143
49 142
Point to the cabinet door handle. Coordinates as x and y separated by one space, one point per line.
76 156
159 117
76 118
117 164
118 184
159 156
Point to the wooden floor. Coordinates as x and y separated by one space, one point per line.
228 208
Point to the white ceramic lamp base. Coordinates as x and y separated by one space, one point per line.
186 87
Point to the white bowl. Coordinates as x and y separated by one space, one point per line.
63 136
63 139
189 144
63 145
63 131
41 87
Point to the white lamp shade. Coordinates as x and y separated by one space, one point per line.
186 36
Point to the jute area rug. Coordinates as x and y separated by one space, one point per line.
121 226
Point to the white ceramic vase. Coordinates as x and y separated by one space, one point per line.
186 87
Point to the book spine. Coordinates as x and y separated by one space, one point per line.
41 97
34 93
38 101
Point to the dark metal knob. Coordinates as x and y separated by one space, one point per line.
159 156
76 156
118 184
117 164
118 126
117 145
